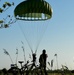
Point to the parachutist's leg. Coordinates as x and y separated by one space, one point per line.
45 71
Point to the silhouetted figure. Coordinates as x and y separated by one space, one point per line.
42 61
33 63
34 57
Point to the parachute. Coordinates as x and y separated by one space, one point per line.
31 16
33 10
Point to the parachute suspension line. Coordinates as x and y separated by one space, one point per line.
33 33
41 36
23 51
24 36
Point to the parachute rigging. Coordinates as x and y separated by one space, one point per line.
34 11
33 32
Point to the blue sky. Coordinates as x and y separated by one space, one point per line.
58 37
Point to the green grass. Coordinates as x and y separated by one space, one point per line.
48 73
60 74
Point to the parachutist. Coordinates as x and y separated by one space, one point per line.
42 61
34 57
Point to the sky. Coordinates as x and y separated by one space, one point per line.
58 37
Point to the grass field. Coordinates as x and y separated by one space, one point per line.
48 74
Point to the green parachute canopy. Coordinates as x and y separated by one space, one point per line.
32 10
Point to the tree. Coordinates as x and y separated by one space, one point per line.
3 9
